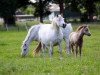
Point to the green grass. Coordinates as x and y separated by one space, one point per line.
11 62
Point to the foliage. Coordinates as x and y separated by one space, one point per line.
41 9
29 10
97 8
11 63
87 8
8 8
60 2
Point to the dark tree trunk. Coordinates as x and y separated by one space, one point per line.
41 11
10 21
87 17
90 17
61 7
84 17
41 19
90 7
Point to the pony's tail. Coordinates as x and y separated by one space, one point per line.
37 49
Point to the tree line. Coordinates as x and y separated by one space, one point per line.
87 8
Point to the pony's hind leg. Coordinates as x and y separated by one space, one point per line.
43 49
60 50
68 46
51 50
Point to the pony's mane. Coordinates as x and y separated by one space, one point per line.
55 18
53 21
80 27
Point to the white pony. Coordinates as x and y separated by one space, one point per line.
31 35
66 32
47 34
51 34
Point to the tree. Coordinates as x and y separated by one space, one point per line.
41 9
29 10
61 6
98 9
86 7
90 8
8 9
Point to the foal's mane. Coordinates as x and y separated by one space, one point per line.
80 27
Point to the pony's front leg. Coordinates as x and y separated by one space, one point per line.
60 50
51 49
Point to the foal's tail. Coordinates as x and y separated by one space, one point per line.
37 49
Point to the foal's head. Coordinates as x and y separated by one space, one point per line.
84 29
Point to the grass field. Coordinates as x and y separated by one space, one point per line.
11 62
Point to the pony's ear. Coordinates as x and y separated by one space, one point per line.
58 15
61 15
87 25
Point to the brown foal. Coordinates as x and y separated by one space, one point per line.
76 38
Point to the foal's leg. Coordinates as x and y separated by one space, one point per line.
72 48
76 46
80 49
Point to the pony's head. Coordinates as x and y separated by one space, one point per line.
59 21
24 50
